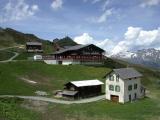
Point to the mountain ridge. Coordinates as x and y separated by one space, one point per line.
149 57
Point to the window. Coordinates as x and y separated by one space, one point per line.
135 86
111 78
111 87
117 78
117 89
130 87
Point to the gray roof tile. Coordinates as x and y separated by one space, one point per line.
76 47
126 73
33 43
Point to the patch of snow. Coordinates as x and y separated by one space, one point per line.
125 54
41 93
29 81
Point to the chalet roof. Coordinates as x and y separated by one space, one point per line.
87 83
33 43
71 93
76 47
126 73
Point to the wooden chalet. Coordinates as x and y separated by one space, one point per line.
34 47
79 54
82 89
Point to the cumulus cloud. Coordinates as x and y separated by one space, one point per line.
17 10
57 4
146 3
134 38
85 38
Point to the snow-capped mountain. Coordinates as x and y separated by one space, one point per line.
149 57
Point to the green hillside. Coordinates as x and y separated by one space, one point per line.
10 37
48 77
5 55
66 41
52 77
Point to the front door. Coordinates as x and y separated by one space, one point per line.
130 98
60 62
115 98
135 96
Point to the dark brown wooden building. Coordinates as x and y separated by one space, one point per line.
79 54
34 47
82 89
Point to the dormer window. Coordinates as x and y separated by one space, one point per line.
117 78
111 77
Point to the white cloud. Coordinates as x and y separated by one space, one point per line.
137 38
85 38
57 4
105 44
146 3
95 1
104 16
106 3
17 10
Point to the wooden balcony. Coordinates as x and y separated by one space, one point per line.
76 58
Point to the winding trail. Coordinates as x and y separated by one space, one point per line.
10 59
52 100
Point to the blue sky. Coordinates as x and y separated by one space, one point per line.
107 23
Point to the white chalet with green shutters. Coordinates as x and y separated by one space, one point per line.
123 85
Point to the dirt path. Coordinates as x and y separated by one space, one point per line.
10 59
8 48
52 100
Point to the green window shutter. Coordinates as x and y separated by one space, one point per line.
111 87
130 87
117 88
135 86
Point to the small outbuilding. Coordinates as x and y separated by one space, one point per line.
82 89
34 47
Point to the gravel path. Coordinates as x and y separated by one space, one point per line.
8 48
52 100
10 59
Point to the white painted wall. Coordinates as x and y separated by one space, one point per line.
54 62
114 83
124 92
133 91
67 62
64 62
